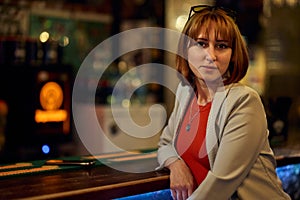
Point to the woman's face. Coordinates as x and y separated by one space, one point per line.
209 58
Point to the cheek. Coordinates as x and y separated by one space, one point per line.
195 56
224 62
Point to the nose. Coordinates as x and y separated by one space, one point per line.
211 56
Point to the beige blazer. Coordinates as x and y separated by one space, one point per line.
241 160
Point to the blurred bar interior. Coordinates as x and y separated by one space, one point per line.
43 43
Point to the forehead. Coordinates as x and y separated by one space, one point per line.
212 29
209 34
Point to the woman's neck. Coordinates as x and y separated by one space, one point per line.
205 93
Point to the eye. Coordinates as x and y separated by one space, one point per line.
222 46
202 44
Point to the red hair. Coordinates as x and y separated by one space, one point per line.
224 27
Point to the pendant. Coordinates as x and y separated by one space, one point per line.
188 127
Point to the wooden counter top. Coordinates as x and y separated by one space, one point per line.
95 182
34 180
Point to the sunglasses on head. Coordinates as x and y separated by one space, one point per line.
200 8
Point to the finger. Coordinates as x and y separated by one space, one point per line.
184 194
174 195
190 192
179 195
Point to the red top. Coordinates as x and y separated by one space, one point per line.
190 142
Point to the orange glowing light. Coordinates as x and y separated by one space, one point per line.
42 116
51 96
51 99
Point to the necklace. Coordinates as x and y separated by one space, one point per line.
191 118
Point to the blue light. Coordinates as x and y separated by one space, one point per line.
290 177
45 149
156 195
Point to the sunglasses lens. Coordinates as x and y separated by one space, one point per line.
197 9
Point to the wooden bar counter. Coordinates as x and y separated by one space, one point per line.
105 179
35 180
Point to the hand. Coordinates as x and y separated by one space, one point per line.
182 182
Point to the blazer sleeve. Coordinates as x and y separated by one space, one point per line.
241 140
166 147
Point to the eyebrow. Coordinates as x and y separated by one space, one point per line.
222 40
202 39
206 39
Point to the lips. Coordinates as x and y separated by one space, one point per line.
208 67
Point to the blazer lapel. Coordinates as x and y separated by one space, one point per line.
212 130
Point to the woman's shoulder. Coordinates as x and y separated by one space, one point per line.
184 90
239 91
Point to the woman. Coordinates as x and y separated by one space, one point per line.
216 141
